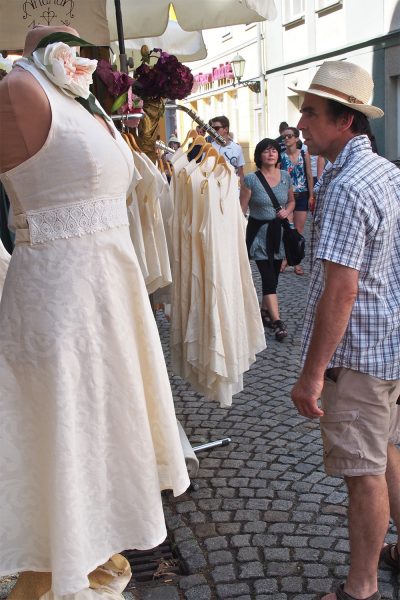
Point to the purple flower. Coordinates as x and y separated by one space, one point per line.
168 78
116 82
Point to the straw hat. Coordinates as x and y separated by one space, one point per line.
345 83
173 138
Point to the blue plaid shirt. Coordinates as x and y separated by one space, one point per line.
357 224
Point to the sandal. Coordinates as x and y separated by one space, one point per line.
280 330
391 557
266 318
342 595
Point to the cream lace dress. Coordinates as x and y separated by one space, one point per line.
88 430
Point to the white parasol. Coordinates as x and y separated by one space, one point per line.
105 21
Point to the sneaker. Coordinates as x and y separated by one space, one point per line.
280 330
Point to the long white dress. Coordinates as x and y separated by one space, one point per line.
88 434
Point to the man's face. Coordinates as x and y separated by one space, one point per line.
223 131
320 132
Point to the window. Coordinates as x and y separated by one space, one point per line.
323 5
294 10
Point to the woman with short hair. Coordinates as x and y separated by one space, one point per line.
264 230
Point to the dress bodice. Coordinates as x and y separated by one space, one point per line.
80 168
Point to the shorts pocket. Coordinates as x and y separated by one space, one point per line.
341 435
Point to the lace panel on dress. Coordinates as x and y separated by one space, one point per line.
76 219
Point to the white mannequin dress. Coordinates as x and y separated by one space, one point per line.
88 430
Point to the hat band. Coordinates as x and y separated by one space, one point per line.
323 88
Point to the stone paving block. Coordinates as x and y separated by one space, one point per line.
249 570
292 584
282 528
205 530
281 569
322 542
223 573
228 528
334 558
295 541
232 590
264 540
191 580
238 541
271 597
277 554
161 592
318 585
197 517
247 554
255 527
247 515
216 543
220 557
201 592
266 585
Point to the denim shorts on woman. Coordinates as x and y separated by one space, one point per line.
301 201
360 418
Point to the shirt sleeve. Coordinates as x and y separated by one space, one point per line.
342 228
248 181
241 161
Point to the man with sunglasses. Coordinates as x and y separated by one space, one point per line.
232 151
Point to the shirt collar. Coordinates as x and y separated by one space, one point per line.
357 143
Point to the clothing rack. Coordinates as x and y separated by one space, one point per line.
123 118
195 117
163 146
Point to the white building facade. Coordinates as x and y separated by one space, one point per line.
308 32
287 51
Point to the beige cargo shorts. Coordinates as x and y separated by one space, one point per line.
360 418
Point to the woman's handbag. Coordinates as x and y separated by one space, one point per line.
294 243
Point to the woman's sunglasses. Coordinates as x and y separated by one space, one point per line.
288 136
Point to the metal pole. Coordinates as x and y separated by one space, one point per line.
121 42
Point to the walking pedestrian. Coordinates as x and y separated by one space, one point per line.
351 337
297 163
264 230
280 139
232 151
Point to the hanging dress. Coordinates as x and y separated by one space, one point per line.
88 430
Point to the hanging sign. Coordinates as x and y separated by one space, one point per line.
217 73
88 17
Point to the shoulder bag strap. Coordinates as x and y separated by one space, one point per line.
269 191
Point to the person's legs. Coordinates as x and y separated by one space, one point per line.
368 518
360 412
269 281
393 483
270 307
299 220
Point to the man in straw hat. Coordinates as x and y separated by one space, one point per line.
351 337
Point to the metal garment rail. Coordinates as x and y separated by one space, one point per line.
195 117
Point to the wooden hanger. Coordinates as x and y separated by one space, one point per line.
160 164
169 168
199 140
221 161
210 151
191 135
133 141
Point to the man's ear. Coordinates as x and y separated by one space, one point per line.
345 122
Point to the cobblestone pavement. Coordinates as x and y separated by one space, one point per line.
265 523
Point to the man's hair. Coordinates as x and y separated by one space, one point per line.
360 124
223 120
294 130
263 145
282 126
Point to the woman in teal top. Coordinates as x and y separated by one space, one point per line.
264 231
